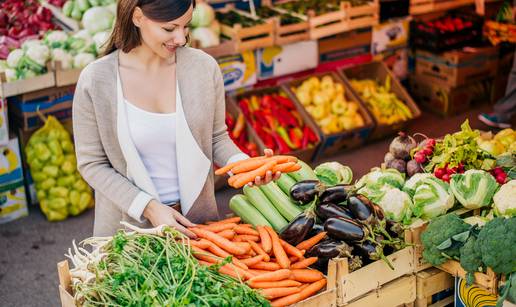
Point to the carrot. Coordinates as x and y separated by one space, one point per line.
297 297
243 238
312 241
294 168
291 250
219 241
283 167
280 159
223 254
274 284
227 168
236 272
277 249
272 293
259 250
233 179
200 244
250 261
250 176
245 245
243 230
306 275
293 259
265 239
246 225
258 272
269 266
304 263
272 276
218 227
235 219
228 234
247 166
204 255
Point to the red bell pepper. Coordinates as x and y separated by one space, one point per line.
287 103
230 121
305 140
312 137
296 136
267 102
244 106
286 118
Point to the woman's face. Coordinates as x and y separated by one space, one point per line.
163 38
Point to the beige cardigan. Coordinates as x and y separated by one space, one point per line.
108 160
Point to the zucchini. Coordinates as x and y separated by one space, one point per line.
285 182
240 205
281 201
264 206
305 173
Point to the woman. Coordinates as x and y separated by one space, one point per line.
149 122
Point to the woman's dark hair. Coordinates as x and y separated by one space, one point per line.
126 35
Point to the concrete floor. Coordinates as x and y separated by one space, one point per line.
31 247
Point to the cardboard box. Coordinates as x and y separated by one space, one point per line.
397 60
13 201
345 45
390 35
288 59
468 296
29 115
455 68
447 100
238 70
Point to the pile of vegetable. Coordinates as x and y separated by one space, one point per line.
230 18
152 267
245 171
502 142
277 122
476 246
206 29
284 18
324 99
238 133
60 189
399 158
257 255
302 7
385 106
76 9
27 62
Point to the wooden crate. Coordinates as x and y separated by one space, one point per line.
433 281
336 142
326 297
351 286
327 24
302 154
379 71
362 16
18 87
418 7
66 77
488 281
400 292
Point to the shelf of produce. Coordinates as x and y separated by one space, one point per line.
419 7
18 87
379 71
302 154
335 142
351 286
430 282
400 292
488 281
66 77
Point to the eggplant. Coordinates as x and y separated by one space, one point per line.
296 231
305 191
315 230
361 207
371 251
328 210
345 229
330 248
335 194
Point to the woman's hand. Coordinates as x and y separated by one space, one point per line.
159 214
268 176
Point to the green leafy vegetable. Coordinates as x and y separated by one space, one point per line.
333 173
497 243
432 198
474 189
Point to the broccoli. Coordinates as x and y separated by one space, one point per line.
497 243
471 259
443 238
511 296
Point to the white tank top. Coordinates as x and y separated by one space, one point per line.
154 136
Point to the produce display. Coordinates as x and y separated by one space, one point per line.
76 9
277 122
244 172
324 99
205 28
230 18
238 133
502 142
51 157
503 27
385 106
285 18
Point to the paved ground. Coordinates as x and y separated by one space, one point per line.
31 247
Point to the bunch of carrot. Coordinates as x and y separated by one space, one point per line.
277 269
245 171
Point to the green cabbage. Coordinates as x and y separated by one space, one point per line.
332 173
379 176
432 198
396 204
474 188
414 181
97 19
505 200
203 15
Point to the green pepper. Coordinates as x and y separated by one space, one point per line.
63 135
57 160
35 165
55 147
85 200
67 146
39 176
51 170
41 195
57 215
67 167
284 135
75 197
47 184
53 134
57 203
80 186
30 154
60 192
71 158
66 181
42 152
